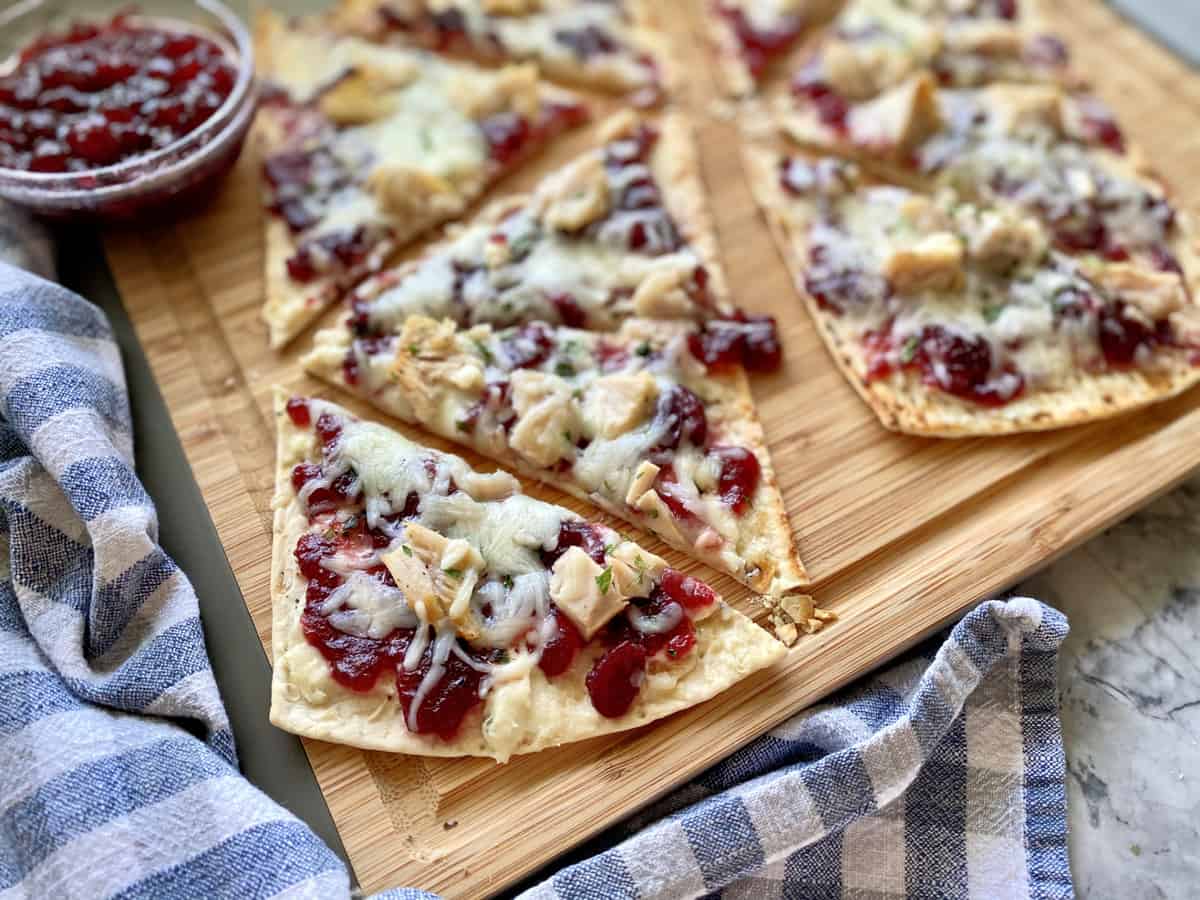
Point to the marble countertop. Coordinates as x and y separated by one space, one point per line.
1129 677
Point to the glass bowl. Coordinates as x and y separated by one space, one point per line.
163 181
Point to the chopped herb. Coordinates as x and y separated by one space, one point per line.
567 437
456 574
426 140
992 312
520 246
640 565
481 347
604 580
407 549
507 581
565 369
413 349
909 351
577 394
571 346
502 656
644 349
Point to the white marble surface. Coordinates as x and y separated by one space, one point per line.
1130 685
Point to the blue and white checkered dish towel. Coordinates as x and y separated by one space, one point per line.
939 778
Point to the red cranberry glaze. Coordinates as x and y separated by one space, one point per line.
832 108
681 416
952 363
96 95
689 592
575 533
760 46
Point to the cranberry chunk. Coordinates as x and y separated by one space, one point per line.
576 533
1122 336
506 134
680 415
739 476
528 346
453 696
760 46
310 550
832 108
560 651
354 662
743 340
569 310
962 366
297 410
690 592
329 429
615 679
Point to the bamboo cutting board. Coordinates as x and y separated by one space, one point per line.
899 533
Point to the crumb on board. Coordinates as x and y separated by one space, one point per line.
795 614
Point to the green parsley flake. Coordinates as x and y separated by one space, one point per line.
456 574
507 581
644 349
604 580
992 312
407 549
909 351
482 349
564 369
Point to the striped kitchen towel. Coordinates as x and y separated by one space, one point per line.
941 777
117 766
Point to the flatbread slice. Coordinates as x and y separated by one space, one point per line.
610 46
422 607
633 421
621 231
367 147
755 39
955 317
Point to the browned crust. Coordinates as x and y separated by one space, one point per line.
902 403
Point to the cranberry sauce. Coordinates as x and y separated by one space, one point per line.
751 342
638 203
760 46
96 95
950 362
510 136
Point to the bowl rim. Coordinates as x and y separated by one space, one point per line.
113 177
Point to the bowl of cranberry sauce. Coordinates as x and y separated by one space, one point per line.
120 112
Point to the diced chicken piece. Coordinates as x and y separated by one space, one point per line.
511 7
491 486
437 576
1186 325
634 569
987 38
1154 294
663 520
859 71
1001 238
619 125
925 214
643 480
1024 108
548 423
514 88
579 196
405 192
584 592
661 295
615 404
428 359
363 95
899 119
933 263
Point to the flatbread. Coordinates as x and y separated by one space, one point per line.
522 715
903 403
622 46
368 103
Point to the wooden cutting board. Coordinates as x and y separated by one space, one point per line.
900 534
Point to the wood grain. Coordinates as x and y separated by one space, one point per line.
899 533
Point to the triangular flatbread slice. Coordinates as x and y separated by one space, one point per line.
615 47
621 231
367 147
633 421
422 607
955 316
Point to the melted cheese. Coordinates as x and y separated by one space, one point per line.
375 609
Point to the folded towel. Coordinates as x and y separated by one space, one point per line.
941 777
